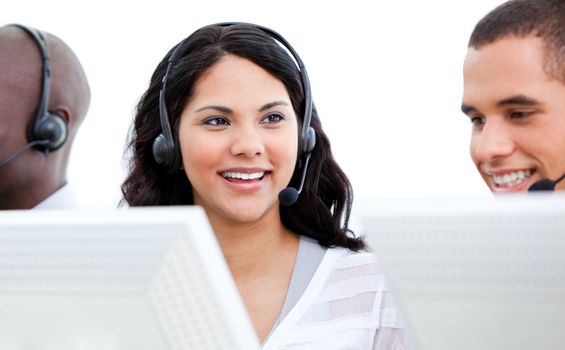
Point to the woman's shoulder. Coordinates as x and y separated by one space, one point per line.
361 257
357 272
347 260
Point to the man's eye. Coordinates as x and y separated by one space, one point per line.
520 114
478 121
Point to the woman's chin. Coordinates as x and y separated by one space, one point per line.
248 212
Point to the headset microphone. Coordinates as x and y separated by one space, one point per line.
545 184
21 150
289 195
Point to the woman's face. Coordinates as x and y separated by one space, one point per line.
238 136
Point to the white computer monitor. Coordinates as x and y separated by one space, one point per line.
474 273
128 279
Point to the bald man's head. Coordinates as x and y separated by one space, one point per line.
20 63
33 174
69 84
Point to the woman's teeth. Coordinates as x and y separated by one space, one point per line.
243 176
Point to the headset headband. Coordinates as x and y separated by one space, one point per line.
42 109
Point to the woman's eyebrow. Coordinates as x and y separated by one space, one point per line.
273 104
217 108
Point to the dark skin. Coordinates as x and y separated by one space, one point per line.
34 176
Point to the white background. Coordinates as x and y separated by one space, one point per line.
386 79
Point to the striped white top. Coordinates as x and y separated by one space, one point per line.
346 305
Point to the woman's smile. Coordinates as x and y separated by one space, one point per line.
245 179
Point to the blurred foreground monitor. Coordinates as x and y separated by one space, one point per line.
127 279
474 273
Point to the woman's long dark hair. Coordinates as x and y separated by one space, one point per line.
323 208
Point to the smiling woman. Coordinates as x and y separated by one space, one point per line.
250 140
227 123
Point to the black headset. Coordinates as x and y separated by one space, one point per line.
165 151
47 131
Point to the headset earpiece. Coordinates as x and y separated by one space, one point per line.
53 129
164 151
165 154
310 142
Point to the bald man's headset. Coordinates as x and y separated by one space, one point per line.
168 156
47 131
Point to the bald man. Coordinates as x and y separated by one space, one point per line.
44 97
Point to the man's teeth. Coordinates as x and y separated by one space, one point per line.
512 178
243 176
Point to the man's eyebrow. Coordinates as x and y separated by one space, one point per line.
521 100
273 104
467 109
217 108
518 100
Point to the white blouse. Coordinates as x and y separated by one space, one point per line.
346 305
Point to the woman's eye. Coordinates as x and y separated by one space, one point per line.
272 119
216 121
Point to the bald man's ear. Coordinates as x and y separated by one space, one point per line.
65 113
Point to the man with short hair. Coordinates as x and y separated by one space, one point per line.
514 95
44 97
